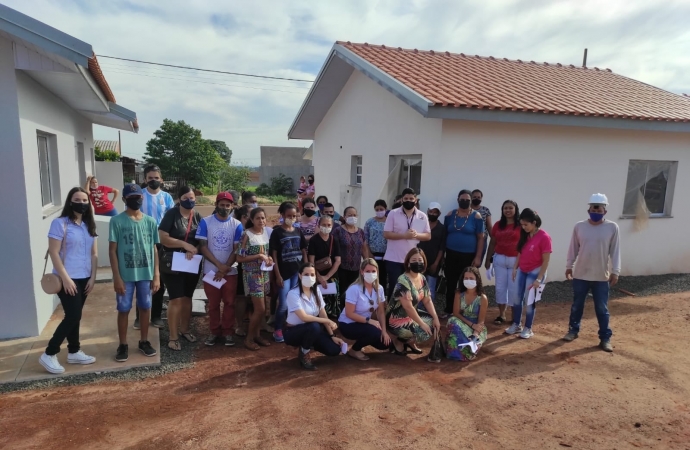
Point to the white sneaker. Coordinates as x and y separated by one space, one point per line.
80 358
51 364
513 329
526 333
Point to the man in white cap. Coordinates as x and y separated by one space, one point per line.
435 247
595 243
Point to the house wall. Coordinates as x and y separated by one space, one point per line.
367 120
286 160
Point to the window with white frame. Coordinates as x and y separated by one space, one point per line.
649 189
356 171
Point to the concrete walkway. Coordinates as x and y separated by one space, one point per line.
19 357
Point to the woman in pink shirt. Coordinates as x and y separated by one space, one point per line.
534 252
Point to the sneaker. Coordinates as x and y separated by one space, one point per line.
122 353
211 340
146 349
80 358
50 363
136 324
606 346
570 336
278 336
229 341
305 360
526 333
513 329
158 323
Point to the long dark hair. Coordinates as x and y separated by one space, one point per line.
313 289
531 216
253 214
475 271
503 223
87 217
285 207
242 211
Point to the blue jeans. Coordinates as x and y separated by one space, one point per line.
600 292
281 307
394 271
143 290
523 281
431 281
111 213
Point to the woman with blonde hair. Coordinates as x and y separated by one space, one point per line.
362 299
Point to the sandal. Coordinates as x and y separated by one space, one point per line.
189 337
262 342
360 357
250 345
240 332
499 320
174 344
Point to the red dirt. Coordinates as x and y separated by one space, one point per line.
542 393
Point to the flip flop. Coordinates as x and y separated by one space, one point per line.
358 358
189 337
174 344
499 320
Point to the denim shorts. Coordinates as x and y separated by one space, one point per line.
143 288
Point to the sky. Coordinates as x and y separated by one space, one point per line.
647 40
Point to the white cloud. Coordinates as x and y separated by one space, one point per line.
645 40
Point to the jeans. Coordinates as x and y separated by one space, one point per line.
143 291
69 327
111 213
281 308
394 270
432 281
156 298
311 335
456 262
600 292
524 281
506 293
363 334
222 326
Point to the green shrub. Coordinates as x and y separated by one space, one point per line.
263 190
105 155
234 178
281 185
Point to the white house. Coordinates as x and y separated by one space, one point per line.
545 135
52 91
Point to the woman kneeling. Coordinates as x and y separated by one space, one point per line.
466 330
307 325
362 298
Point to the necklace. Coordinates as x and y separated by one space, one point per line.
455 221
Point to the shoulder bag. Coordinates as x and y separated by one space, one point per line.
165 257
325 264
50 282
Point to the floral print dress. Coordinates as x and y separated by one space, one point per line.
459 332
399 323
256 281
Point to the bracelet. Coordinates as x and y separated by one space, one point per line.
331 336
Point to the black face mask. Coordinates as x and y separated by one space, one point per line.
223 212
80 208
134 203
476 201
310 181
417 267
433 217
309 212
409 205
464 204
154 184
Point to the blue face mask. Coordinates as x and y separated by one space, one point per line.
596 217
187 204
321 206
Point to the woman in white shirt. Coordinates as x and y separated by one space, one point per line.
362 298
307 325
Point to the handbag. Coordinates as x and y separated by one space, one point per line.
436 349
325 263
165 258
50 282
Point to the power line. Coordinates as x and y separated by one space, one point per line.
205 70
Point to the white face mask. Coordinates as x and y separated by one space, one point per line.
254 205
470 284
370 277
380 214
351 221
289 222
308 281
326 230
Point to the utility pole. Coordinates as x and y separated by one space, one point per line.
119 139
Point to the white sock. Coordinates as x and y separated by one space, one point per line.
305 350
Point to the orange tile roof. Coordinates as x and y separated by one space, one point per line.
97 74
464 81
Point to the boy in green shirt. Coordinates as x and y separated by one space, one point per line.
134 262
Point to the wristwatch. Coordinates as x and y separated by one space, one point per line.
368 319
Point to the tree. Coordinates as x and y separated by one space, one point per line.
234 178
180 151
105 155
222 149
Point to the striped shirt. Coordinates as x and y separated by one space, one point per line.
156 205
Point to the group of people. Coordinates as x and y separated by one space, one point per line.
331 281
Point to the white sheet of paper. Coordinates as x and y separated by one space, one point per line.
343 347
330 289
535 295
266 268
490 272
208 278
180 263
471 345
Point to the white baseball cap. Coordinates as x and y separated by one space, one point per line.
435 205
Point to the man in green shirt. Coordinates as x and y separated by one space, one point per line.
134 261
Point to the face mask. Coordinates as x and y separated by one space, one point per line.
154 184
223 212
289 222
417 267
329 214
351 221
476 201
308 281
370 277
310 181
380 214
596 217
321 207
80 208
254 205
470 284
309 212
433 217
464 204
187 204
134 202
325 230
408 205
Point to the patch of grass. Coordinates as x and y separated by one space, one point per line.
276 199
204 200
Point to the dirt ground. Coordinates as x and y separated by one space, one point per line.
541 393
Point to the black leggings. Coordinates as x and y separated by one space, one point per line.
456 262
69 327
363 334
311 335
